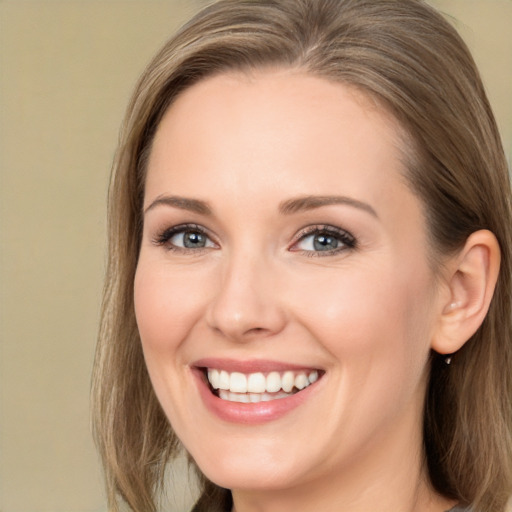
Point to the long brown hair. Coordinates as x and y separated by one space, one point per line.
411 61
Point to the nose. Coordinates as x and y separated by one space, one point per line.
246 304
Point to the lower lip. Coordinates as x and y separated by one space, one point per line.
251 413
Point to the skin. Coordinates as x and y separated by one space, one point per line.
365 315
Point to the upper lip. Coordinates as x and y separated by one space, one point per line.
250 366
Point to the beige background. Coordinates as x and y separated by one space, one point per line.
66 71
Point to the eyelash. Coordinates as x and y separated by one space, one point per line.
347 240
164 237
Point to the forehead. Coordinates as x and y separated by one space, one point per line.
283 129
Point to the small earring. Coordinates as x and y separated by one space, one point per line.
448 360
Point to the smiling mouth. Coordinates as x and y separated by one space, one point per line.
258 387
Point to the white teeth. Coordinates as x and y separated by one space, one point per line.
233 397
255 387
224 380
301 381
288 381
238 383
273 382
256 383
251 397
213 377
254 397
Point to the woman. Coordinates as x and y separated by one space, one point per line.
309 282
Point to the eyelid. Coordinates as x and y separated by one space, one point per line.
163 237
347 239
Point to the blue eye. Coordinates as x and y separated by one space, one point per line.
185 237
190 240
324 239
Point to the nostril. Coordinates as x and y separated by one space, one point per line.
256 332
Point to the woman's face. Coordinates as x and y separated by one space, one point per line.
282 249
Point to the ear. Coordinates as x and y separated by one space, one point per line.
470 281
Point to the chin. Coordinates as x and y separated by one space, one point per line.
252 475
253 465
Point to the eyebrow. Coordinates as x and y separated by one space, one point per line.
305 203
183 203
288 207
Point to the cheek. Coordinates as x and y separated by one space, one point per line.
377 331
372 320
166 306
